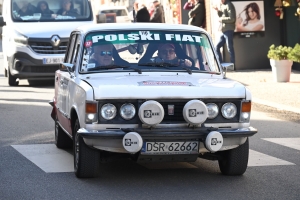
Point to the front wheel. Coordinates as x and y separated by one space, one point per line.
234 162
86 159
62 140
12 81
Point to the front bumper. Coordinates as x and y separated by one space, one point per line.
111 140
166 134
24 66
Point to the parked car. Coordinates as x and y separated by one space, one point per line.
119 92
115 14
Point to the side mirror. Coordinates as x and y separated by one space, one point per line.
101 18
67 67
2 22
227 67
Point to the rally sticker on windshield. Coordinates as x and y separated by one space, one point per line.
147 36
164 83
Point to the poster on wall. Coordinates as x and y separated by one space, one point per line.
250 16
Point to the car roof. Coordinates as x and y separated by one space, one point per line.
137 26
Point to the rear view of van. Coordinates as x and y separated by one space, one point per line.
35 35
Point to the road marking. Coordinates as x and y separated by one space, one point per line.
53 160
47 157
24 103
288 142
259 159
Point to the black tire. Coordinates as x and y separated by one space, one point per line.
5 73
234 162
12 81
62 140
86 159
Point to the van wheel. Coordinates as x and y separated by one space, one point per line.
62 140
86 159
5 72
234 162
12 81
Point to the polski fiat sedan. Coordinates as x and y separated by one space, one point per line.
150 92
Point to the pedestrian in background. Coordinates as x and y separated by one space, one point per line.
158 15
139 13
197 14
142 14
189 5
227 18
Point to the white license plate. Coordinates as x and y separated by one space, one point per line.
188 147
53 60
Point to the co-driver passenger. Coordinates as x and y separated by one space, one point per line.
168 54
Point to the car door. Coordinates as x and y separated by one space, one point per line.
63 79
71 87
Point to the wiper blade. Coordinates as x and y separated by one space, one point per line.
159 64
166 65
115 67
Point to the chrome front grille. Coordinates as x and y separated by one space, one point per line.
47 48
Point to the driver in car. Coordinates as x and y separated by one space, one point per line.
167 53
102 55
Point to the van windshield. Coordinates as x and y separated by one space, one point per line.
51 10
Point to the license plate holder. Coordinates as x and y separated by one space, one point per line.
180 147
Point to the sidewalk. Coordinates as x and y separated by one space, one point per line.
283 96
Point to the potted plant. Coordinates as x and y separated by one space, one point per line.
280 62
294 55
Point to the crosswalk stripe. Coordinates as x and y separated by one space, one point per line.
260 159
53 160
47 157
288 142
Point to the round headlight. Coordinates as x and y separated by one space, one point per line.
127 111
213 110
229 110
108 111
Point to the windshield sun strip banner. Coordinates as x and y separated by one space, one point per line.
95 39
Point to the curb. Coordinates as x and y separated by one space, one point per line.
276 105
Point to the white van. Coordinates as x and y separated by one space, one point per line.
35 35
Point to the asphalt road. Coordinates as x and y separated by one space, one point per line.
32 168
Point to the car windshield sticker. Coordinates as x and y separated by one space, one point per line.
146 36
164 83
91 65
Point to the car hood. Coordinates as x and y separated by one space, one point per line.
47 29
165 87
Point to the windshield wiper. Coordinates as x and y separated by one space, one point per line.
165 65
116 67
159 64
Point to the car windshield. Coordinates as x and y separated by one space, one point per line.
50 10
145 50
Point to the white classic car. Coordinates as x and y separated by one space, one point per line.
151 92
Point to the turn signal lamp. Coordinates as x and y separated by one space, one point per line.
91 112
245 111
